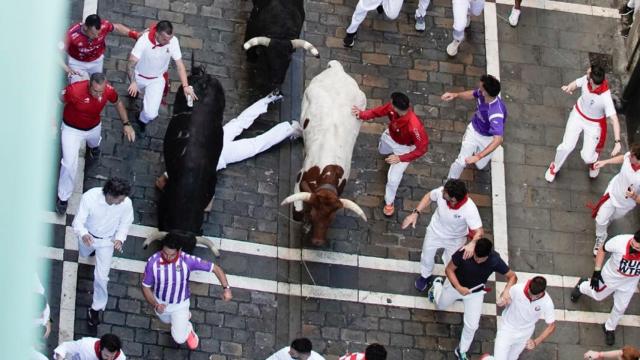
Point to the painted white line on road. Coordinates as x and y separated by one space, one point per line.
90 7
579 9
68 301
51 253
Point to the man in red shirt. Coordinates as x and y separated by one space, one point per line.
405 139
85 45
83 103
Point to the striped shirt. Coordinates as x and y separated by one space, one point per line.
354 356
170 278
489 118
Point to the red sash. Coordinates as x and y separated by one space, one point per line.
596 207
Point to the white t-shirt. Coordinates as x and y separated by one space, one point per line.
448 223
522 314
283 354
83 349
154 60
101 220
627 177
594 106
622 264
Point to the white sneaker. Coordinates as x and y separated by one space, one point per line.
514 16
599 242
421 24
550 175
296 130
468 21
593 173
452 49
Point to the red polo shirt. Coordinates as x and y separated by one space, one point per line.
405 130
81 109
81 48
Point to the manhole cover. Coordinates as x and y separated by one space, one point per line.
604 60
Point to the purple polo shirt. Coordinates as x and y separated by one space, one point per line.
170 279
489 118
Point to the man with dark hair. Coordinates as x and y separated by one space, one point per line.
165 286
589 115
85 45
485 132
455 218
405 139
621 195
108 347
83 103
466 280
529 303
101 225
619 276
148 62
300 349
372 352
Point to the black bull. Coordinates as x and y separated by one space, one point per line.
192 147
272 36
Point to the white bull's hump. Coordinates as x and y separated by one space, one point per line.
331 131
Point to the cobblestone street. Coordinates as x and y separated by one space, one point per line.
358 289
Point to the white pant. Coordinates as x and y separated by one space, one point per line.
446 294
178 316
423 5
472 143
391 10
460 11
430 245
153 89
510 342
386 146
104 254
607 213
237 150
84 68
576 125
71 140
622 293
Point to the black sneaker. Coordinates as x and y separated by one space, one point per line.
609 336
625 31
575 293
93 253
460 355
93 317
61 207
380 9
625 10
349 40
423 283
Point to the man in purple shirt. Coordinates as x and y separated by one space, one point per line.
165 286
485 132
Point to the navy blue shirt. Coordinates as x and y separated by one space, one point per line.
471 274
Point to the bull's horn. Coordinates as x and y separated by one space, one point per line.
348 204
298 43
153 237
258 40
301 196
208 243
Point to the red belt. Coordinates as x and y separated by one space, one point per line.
603 128
148 77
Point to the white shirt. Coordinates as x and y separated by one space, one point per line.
622 264
101 220
83 349
448 223
44 317
283 354
153 60
592 105
522 314
627 177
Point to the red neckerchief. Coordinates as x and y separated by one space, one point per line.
629 255
166 261
96 347
599 89
152 37
526 292
635 167
459 204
